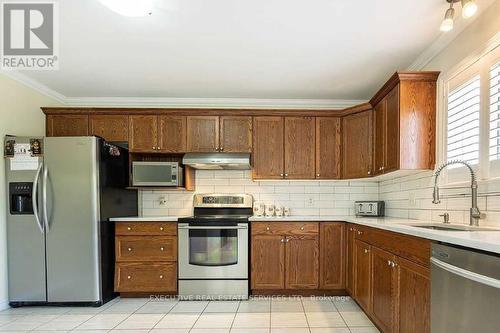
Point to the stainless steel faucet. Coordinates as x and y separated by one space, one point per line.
475 213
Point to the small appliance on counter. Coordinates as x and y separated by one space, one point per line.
369 208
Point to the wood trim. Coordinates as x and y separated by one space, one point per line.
356 109
397 77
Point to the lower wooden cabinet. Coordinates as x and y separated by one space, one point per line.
146 257
302 262
268 262
332 255
390 278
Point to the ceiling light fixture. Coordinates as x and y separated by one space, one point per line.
131 8
469 8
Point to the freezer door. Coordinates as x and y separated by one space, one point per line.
25 244
71 217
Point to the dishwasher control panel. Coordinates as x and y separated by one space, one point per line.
369 208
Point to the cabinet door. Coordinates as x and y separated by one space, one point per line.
302 262
362 278
268 147
328 147
350 230
146 277
357 145
203 133
236 134
391 156
172 136
332 254
379 138
414 297
384 289
300 147
268 262
67 125
109 127
143 133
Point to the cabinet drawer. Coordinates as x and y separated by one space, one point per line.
414 249
285 228
146 228
139 277
146 248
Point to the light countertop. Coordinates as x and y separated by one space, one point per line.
481 240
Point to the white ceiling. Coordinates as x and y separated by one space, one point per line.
262 49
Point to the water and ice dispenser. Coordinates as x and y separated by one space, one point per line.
21 198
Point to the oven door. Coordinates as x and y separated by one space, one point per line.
213 252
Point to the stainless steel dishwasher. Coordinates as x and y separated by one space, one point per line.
465 290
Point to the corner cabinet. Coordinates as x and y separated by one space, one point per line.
357 145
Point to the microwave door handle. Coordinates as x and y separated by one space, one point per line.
213 228
34 197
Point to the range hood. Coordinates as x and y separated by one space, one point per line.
218 161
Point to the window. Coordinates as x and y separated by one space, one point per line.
463 122
495 112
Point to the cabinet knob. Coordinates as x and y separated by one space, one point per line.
161 228
360 232
369 172
286 175
161 248
281 175
317 175
221 149
129 249
154 148
161 276
282 240
383 168
393 264
267 229
351 229
216 148
287 240
129 228
159 148
301 228
388 263
366 250
129 277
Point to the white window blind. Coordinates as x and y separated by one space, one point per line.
494 92
463 122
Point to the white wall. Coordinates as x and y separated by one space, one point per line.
302 197
20 114
411 196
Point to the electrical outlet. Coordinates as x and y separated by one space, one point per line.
412 201
163 201
309 202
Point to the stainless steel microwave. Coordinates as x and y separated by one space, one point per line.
156 174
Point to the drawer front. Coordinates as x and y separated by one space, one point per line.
139 277
417 250
285 228
146 228
146 248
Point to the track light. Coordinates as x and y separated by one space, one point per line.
469 8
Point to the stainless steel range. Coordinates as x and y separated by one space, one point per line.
213 248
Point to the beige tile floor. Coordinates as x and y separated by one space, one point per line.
258 315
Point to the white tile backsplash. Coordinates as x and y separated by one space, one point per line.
303 197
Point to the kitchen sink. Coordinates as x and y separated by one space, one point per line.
451 227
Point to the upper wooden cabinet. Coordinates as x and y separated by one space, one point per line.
109 127
405 123
172 137
235 134
143 133
299 147
328 147
357 145
219 134
268 152
67 125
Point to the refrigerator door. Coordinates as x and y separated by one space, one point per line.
25 242
71 218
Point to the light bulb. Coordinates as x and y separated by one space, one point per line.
469 8
447 23
130 8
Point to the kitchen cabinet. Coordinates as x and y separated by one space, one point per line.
172 134
328 147
146 257
143 133
363 274
384 289
109 127
284 256
332 255
202 133
299 147
357 145
67 125
268 153
236 134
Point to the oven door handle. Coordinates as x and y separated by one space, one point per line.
213 228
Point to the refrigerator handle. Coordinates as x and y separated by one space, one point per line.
34 197
44 197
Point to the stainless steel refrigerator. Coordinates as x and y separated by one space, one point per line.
61 193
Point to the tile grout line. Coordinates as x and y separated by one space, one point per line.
305 314
235 314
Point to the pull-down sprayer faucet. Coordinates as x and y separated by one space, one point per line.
475 214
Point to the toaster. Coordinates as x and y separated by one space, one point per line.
369 208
